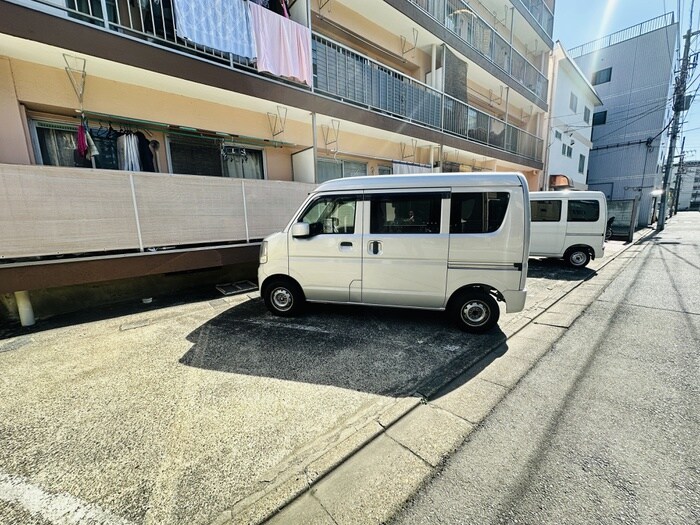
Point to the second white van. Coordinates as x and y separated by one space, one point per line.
455 242
568 224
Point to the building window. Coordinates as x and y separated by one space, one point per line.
202 156
405 213
602 76
566 150
600 118
573 103
557 135
328 169
545 211
478 212
581 163
586 115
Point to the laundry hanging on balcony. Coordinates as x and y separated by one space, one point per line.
283 46
278 6
223 25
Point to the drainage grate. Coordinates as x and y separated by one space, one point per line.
237 287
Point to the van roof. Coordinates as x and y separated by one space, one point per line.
424 180
566 194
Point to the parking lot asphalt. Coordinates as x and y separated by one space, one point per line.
216 411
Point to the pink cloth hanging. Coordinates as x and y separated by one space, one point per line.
283 46
82 145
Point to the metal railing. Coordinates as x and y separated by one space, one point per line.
620 36
541 13
339 72
460 19
344 74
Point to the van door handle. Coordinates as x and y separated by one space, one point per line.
374 247
346 243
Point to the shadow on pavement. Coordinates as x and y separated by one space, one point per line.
382 351
557 269
13 328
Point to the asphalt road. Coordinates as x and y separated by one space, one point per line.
194 411
605 428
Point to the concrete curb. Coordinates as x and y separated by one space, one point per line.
369 475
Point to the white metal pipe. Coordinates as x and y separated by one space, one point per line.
24 306
433 65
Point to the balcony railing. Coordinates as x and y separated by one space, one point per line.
458 17
357 79
339 72
541 13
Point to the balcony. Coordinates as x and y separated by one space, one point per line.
458 18
348 76
339 73
541 13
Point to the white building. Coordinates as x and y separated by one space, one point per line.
571 102
689 190
632 72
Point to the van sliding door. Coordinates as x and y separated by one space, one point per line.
404 260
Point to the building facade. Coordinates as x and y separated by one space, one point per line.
154 137
686 184
632 72
572 103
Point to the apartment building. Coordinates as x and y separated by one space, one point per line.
572 103
632 72
147 138
685 185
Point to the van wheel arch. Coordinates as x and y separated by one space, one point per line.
282 295
579 255
474 308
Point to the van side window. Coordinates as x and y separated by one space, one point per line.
545 211
334 214
481 212
583 211
405 213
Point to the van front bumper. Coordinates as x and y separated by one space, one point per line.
515 300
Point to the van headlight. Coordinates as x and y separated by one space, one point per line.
263 252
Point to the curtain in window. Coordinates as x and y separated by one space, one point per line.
246 166
407 169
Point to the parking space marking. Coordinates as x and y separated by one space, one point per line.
58 508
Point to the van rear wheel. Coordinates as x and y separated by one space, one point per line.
474 311
577 257
283 297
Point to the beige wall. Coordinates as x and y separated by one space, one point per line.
13 143
40 86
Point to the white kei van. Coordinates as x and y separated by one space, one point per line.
455 242
568 224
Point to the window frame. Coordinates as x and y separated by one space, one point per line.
586 114
598 78
573 102
331 197
547 201
604 118
589 201
486 226
371 199
581 163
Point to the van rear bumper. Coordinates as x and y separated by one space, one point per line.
515 300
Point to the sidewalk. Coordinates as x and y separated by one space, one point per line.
372 485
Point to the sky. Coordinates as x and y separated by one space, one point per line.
577 22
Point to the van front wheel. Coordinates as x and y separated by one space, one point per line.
283 297
474 311
577 257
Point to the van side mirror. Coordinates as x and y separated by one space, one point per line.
301 229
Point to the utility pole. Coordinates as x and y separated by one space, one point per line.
679 178
678 107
